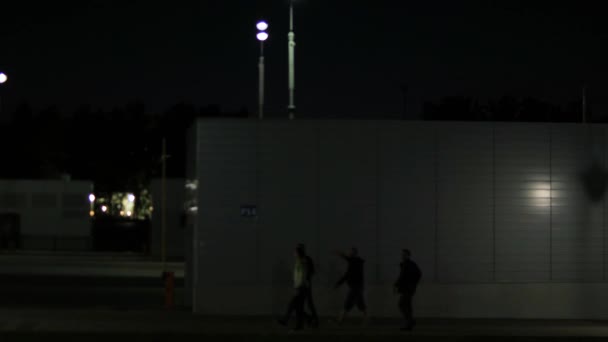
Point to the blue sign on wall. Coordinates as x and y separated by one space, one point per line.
250 211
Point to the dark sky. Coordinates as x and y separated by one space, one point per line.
351 55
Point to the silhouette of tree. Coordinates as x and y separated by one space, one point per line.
454 108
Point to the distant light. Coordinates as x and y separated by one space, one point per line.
122 213
131 198
91 213
262 26
91 198
3 78
262 36
104 208
129 213
151 208
192 185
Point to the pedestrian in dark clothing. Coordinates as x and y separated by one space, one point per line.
406 285
313 319
354 279
300 284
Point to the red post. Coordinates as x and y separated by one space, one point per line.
169 289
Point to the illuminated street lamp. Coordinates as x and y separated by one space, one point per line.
92 205
262 35
262 26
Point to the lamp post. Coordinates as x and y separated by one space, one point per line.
3 79
262 35
291 38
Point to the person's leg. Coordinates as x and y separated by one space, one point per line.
291 307
348 305
311 306
405 305
403 308
300 301
409 311
362 306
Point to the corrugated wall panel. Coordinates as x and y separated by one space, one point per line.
227 180
577 221
288 198
465 203
522 191
477 203
407 201
348 198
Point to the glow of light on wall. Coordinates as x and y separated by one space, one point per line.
540 194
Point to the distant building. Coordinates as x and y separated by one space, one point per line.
45 215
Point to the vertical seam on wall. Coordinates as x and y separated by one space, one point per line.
378 203
318 175
494 202
550 202
604 209
436 175
195 228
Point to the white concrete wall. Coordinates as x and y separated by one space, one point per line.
48 208
505 220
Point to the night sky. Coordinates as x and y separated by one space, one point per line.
350 55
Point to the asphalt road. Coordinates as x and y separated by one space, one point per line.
85 281
100 325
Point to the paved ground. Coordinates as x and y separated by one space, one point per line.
101 297
84 264
84 280
98 325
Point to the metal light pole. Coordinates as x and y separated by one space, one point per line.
584 104
262 26
292 73
163 207
3 79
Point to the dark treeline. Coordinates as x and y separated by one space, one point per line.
121 149
507 109
118 150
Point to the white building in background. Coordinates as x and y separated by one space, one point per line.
46 214
505 220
